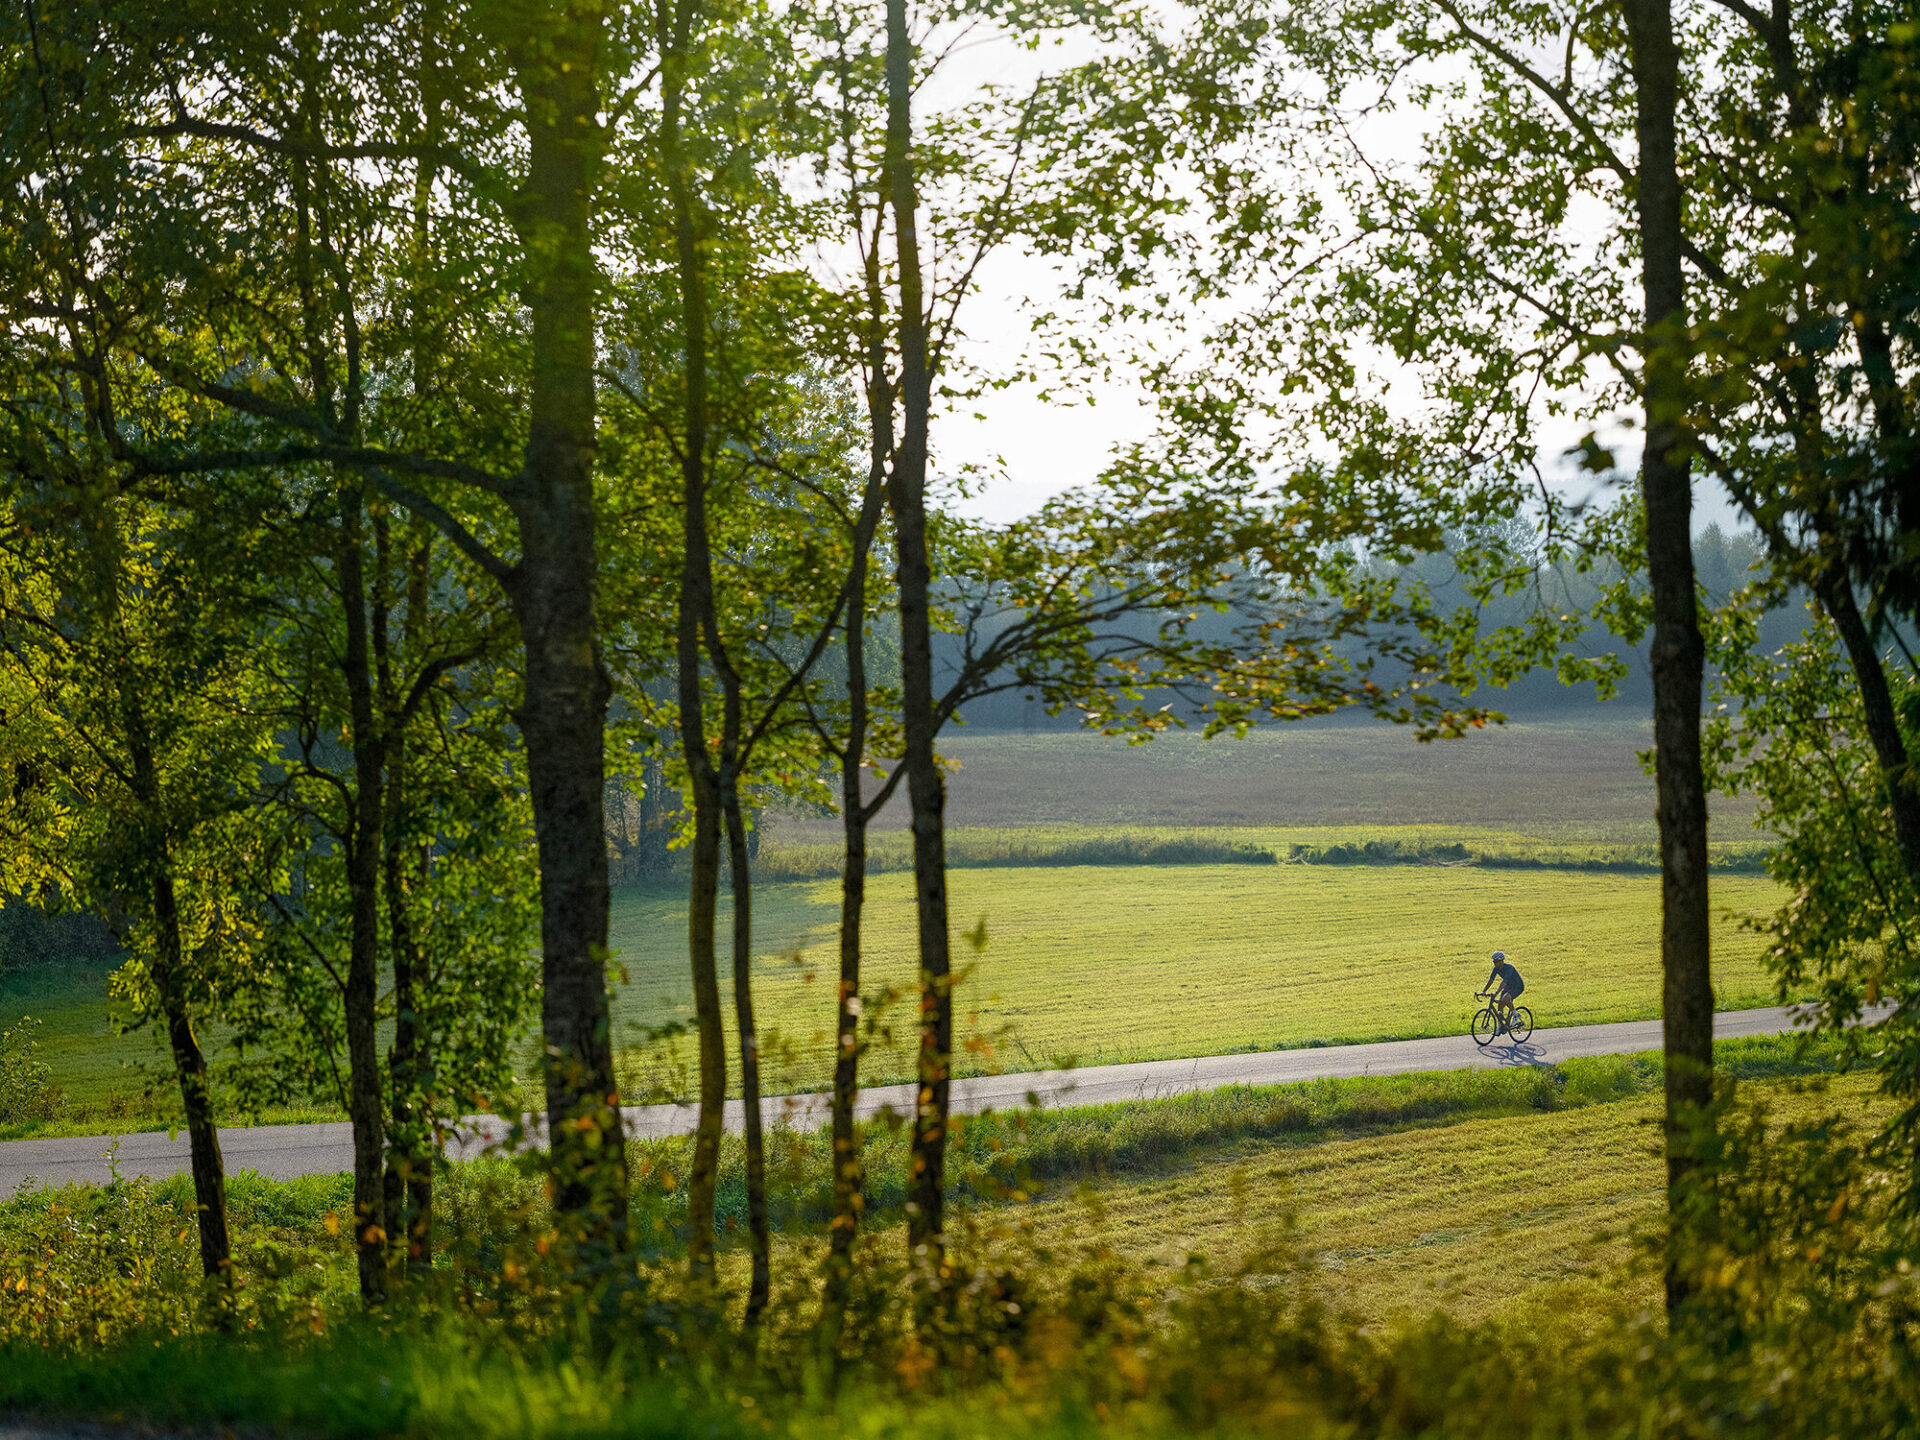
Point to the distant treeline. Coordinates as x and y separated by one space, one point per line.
30 935
1613 859
893 851
1724 564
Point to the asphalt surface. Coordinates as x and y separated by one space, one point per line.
287 1151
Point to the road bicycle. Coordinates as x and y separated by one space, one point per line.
1488 1026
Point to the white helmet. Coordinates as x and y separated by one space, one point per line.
1499 954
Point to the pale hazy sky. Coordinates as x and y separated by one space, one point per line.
1048 448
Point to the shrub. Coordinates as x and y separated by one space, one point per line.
26 1084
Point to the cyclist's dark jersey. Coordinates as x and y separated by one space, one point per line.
1509 976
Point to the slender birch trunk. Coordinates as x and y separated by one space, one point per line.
926 786
849 1179
759 1235
696 604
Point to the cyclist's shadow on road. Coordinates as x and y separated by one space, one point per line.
1519 1053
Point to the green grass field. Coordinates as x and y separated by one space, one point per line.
93 1065
1098 964
1111 961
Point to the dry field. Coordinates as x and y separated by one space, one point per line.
1572 781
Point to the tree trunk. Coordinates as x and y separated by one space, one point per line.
848 1173
409 1177
554 594
196 1098
169 958
696 604
366 833
926 786
1678 656
410 1133
702 896
759 1237
189 1060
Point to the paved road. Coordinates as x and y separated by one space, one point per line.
286 1151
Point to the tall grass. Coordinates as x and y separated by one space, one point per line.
1803 1331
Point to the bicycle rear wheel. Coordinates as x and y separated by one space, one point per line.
1520 1028
1485 1024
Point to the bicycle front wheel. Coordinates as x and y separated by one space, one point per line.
1485 1025
1520 1027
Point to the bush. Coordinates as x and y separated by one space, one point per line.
26 1084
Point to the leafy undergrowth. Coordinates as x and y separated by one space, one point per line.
1804 1327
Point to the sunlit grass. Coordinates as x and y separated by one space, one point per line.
1116 961
1544 1210
1094 964
1101 964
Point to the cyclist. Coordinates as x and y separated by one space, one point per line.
1510 986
